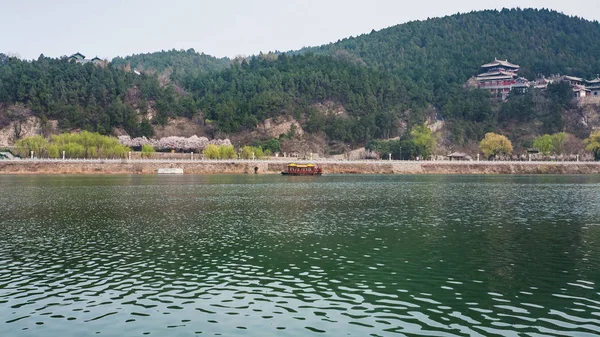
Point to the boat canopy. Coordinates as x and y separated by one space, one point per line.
301 165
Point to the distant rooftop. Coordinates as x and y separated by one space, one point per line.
498 63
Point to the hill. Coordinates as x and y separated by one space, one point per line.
448 50
176 63
375 86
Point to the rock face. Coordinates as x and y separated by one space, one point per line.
182 127
272 128
30 127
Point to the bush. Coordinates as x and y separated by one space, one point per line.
226 152
147 151
211 151
75 145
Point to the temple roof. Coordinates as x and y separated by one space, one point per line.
78 55
485 77
498 63
496 73
573 78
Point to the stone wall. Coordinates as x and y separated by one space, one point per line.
240 167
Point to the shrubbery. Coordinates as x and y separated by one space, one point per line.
213 151
75 145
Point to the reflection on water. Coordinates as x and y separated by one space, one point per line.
296 256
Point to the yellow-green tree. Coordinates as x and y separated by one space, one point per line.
543 144
75 145
147 151
211 151
592 144
249 152
494 144
37 144
226 152
559 140
424 139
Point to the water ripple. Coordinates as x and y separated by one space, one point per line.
247 255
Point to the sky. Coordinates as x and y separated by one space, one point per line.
110 28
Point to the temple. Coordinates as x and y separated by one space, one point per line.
500 77
594 87
80 58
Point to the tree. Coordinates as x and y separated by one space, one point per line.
17 113
226 152
493 145
592 144
543 144
251 152
211 152
424 139
146 129
147 151
559 140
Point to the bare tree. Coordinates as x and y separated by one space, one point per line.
17 114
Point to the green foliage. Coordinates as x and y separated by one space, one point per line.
37 144
424 140
147 151
543 144
272 145
86 97
592 144
227 152
211 151
444 52
179 63
493 145
382 80
418 143
558 142
251 152
75 145
547 144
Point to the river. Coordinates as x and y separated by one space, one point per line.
337 255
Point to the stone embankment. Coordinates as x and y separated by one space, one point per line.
273 167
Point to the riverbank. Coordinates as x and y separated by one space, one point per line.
275 167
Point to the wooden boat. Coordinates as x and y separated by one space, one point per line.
294 169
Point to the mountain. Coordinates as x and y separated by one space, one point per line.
177 63
375 86
449 50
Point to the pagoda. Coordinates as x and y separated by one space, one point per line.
500 77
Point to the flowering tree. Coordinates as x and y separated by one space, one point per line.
194 143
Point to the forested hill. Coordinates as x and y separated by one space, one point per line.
381 84
451 49
178 63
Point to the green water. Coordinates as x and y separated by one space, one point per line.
254 255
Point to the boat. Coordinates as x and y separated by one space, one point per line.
294 169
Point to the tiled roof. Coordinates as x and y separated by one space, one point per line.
497 63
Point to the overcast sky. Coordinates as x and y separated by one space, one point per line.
110 28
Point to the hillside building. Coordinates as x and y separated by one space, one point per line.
581 87
594 87
80 59
500 77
